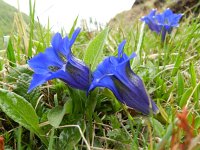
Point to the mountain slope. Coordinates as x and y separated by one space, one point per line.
127 19
7 13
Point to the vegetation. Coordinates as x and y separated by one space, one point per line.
56 116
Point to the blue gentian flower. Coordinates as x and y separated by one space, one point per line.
162 23
58 62
115 74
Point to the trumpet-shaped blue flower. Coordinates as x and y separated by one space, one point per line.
115 74
162 23
58 62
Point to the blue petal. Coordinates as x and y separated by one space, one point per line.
79 70
41 63
37 80
152 13
150 17
125 58
151 22
121 48
76 62
67 78
80 75
53 56
135 97
56 40
64 48
160 19
167 13
168 28
174 20
104 81
58 47
74 36
67 43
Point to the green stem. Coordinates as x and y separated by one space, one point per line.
19 137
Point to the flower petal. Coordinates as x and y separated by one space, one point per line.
104 81
66 77
135 97
160 19
121 48
79 75
52 55
167 13
65 50
74 36
174 20
37 80
56 40
41 63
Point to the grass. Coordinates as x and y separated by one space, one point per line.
55 116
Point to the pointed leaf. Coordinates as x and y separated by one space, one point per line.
180 85
158 127
194 81
56 115
185 97
10 54
177 64
21 111
94 51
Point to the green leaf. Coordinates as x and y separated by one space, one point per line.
163 112
185 97
94 51
193 80
69 106
166 138
70 136
158 127
20 76
18 109
10 54
91 103
180 85
56 115
177 65
197 123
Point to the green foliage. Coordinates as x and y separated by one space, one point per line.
21 76
17 108
56 115
69 135
10 54
93 54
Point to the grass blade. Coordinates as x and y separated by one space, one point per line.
10 54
